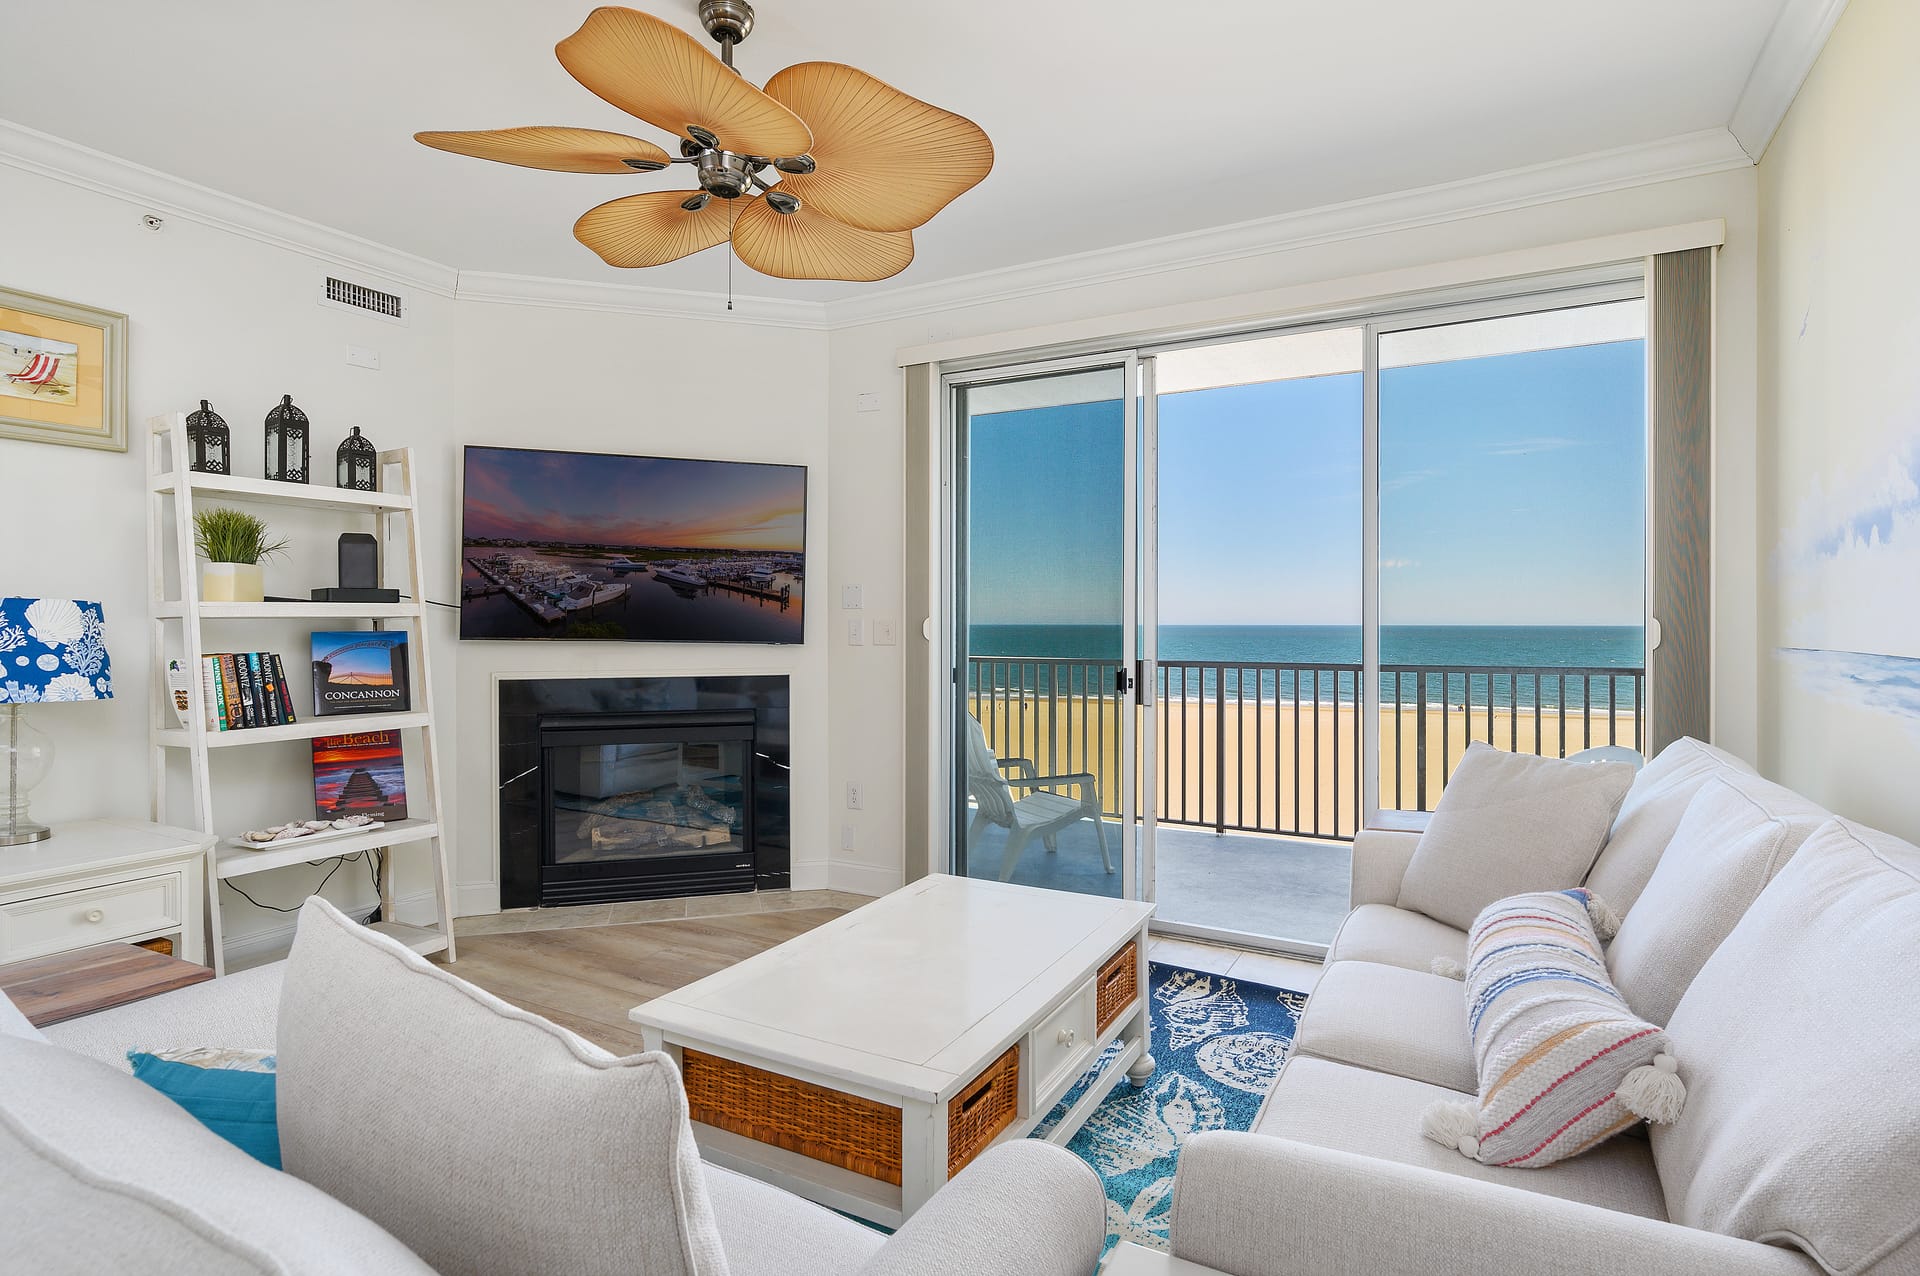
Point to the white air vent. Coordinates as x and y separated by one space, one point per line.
343 294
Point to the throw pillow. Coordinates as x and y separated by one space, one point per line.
1653 808
486 1138
1563 1064
99 1173
1737 833
1509 823
231 1092
1823 1152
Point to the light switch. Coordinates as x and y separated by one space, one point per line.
363 357
866 402
855 631
884 634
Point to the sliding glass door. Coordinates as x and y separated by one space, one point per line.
1045 516
1220 604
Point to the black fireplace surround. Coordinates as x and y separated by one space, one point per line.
643 788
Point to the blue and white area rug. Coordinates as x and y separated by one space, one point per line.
1217 1044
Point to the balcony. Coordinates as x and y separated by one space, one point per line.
1258 767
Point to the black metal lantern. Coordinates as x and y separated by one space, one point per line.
287 442
209 440
356 462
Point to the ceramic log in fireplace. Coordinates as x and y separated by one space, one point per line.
640 788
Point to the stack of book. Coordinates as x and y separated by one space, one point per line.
245 689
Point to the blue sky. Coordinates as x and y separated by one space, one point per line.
1512 493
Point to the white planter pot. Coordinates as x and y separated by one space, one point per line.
231 583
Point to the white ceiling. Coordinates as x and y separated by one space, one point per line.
1114 121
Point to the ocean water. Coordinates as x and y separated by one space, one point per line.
1195 659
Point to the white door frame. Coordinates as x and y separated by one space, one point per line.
952 385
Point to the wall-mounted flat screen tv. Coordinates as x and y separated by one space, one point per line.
583 546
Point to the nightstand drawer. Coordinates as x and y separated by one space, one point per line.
94 915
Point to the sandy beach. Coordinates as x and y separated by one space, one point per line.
1271 781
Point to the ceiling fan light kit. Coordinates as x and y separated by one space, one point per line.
824 174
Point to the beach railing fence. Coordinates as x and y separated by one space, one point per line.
1262 747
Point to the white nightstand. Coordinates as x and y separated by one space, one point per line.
100 881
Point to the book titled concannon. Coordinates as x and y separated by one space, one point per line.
360 672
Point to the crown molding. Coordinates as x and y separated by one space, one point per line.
1786 59
637 299
1687 155
153 191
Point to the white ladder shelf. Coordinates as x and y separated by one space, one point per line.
172 483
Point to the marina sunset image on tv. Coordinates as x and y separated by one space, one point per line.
589 546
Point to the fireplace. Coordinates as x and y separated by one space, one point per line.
641 788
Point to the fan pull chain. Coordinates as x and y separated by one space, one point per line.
730 221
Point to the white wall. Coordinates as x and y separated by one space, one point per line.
868 493
1840 426
221 316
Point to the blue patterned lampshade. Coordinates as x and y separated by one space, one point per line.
53 649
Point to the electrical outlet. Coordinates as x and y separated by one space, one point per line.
846 837
866 401
850 598
856 634
884 634
363 357
853 795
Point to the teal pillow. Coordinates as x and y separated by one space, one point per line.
231 1092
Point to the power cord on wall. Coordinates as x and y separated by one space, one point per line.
373 876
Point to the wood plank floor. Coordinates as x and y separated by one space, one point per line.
587 977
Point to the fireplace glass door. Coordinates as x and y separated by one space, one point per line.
658 801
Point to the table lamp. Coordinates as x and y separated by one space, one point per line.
51 649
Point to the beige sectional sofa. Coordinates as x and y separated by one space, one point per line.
1799 1149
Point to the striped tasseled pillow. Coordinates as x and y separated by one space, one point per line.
1564 1064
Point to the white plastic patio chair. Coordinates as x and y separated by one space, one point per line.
1041 813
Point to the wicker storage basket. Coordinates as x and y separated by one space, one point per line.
1119 984
841 1129
978 1113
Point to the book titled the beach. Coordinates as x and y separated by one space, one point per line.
360 672
360 774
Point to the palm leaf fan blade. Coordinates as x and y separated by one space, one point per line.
886 161
658 73
651 229
557 149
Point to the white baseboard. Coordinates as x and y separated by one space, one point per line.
863 879
476 899
262 946
810 875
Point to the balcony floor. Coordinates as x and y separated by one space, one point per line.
1292 889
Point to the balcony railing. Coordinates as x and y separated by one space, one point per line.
1277 748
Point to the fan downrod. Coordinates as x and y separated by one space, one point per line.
729 22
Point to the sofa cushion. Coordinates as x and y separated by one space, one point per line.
99 1173
1737 833
488 1139
1354 1110
1390 1019
770 1232
1396 937
1509 823
1563 1064
238 1010
1816 1146
1651 812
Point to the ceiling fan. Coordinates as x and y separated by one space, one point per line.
824 174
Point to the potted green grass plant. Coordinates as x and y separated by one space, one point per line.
233 542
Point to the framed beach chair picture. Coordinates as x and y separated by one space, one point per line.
63 372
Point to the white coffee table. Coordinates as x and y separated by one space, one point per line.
908 1019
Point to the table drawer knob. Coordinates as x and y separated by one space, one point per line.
1067 1036
95 915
